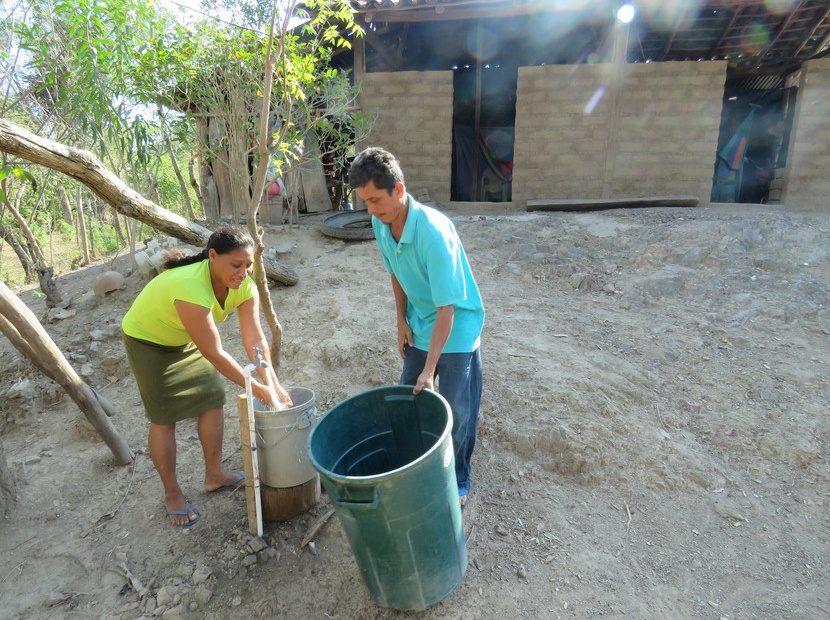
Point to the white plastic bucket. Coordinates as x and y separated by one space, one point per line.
282 441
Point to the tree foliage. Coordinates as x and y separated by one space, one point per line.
102 74
214 73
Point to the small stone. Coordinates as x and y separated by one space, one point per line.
521 573
174 613
22 390
201 575
98 335
501 531
256 545
55 598
202 595
165 596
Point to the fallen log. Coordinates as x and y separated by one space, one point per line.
88 169
589 204
19 324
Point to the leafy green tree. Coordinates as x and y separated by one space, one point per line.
216 75
256 94
65 73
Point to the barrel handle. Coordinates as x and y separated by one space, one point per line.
359 504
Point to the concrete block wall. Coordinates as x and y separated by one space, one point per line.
577 136
807 183
413 120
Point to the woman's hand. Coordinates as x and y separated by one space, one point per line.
265 395
272 398
283 396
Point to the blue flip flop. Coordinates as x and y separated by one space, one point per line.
185 512
240 478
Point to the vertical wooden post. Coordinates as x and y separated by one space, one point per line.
248 452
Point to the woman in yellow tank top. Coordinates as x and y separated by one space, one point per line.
176 355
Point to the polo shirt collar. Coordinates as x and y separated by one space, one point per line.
412 212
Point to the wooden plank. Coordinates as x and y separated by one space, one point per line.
586 204
248 463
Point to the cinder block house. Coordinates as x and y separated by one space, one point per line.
516 100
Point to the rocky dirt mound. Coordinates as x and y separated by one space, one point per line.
653 440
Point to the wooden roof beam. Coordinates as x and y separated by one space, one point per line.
781 30
463 9
812 33
675 30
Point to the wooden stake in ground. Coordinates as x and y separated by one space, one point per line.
251 476
318 525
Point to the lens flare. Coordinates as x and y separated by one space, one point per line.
780 6
490 42
595 99
626 13
755 38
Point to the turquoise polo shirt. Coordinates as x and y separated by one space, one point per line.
431 266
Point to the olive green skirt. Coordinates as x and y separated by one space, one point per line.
175 383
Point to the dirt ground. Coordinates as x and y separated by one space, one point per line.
653 439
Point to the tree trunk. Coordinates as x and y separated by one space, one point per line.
220 167
34 246
8 491
208 192
23 255
86 168
90 218
257 190
80 226
191 163
116 224
178 172
239 155
49 288
21 327
67 208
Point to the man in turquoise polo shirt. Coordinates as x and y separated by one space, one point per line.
439 309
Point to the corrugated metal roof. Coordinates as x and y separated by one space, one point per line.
754 36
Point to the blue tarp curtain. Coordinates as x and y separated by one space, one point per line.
495 159
730 164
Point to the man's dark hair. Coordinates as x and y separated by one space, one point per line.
377 165
224 240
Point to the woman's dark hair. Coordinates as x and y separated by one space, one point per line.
377 165
224 240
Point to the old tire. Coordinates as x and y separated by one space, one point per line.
349 225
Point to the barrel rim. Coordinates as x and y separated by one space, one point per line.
373 479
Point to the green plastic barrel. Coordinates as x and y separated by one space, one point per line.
385 458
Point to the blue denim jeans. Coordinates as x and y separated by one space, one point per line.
458 380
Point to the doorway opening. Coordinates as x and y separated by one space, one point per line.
753 142
484 119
